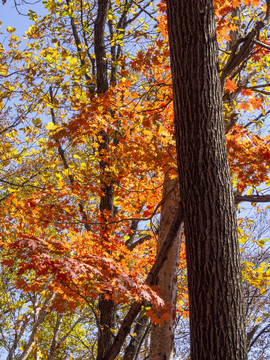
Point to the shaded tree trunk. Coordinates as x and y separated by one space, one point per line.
162 337
214 277
106 307
135 343
56 333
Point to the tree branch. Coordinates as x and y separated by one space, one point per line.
61 153
236 59
257 42
259 334
40 319
252 198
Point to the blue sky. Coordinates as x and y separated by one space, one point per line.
10 16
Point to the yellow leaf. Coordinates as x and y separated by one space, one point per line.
50 126
249 192
10 29
71 60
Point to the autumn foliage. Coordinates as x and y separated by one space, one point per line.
62 143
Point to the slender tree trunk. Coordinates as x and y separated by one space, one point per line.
135 343
56 333
106 307
214 277
162 337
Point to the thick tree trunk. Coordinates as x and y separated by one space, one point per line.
162 337
214 276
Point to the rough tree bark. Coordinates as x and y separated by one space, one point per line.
214 278
162 337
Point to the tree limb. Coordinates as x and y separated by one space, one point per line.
252 198
40 319
259 334
236 58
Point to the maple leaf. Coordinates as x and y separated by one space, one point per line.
224 32
160 43
246 92
146 295
266 155
235 3
233 27
162 6
255 2
166 317
255 102
230 86
244 105
8 262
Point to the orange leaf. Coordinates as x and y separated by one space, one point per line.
255 102
235 3
230 85
255 2
246 92
244 105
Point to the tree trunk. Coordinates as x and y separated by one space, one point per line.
162 337
56 333
106 307
141 329
214 277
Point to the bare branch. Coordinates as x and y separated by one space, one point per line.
252 198
265 329
257 42
40 319
237 57
18 338
138 242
